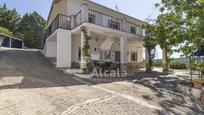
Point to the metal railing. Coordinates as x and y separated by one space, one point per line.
77 19
60 21
66 22
112 22
134 29
104 20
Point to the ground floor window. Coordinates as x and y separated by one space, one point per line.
133 56
79 53
104 54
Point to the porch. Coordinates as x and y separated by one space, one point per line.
108 47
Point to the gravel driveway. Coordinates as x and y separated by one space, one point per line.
30 85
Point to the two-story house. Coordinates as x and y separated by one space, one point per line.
116 37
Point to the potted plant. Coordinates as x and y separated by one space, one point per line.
198 83
202 97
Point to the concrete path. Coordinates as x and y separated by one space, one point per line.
30 85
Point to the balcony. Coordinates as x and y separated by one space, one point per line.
94 17
60 21
113 23
104 20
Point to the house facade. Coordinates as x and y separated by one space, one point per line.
115 37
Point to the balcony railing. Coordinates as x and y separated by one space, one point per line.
60 21
112 22
104 20
77 19
132 28
66 22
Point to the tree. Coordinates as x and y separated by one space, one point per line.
149 44
165 31
192 16
5 31
31 29
9 18
187 28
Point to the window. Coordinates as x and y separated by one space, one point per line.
103 54
132 29
133 56
139 31
113 24
92 18
79 53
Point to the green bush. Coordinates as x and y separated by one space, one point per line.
177 65
192 66
157 64
5 31
200 66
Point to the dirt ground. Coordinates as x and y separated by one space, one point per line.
30 85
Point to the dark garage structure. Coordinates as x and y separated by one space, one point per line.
11 42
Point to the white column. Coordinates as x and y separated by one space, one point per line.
64 48
124 24
84 12
123 50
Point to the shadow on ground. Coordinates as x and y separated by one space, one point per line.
30 69
163 86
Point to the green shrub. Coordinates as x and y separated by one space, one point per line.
192 66
200 66
157 64
5 31
177 65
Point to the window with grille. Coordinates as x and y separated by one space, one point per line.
113 24
92 18
133 56
79 53
132 29
103 54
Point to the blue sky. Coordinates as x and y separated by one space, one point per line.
137 8
141 9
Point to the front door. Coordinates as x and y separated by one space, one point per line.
117 56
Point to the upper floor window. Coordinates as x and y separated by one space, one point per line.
132 29
139 31
92 18
113 24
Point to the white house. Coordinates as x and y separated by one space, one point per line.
116 37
